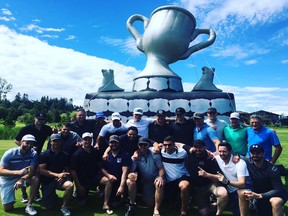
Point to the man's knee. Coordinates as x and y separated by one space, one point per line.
184 185
276 202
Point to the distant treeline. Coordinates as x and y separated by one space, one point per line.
23 110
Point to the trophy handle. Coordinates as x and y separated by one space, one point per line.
201 45
134 32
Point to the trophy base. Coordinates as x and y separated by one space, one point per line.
150 102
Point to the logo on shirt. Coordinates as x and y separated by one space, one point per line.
119 160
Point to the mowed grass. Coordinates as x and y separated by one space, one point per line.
94 207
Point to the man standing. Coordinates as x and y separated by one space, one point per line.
235 178
41 132
115 171
236 135
152 175
203 184
100 122
203 132
85 168
268 189
54 170
215 123
176 174
139 122
81 125
182 128
259 134
17 169
159 129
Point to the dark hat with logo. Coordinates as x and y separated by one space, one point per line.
199 142
114 138
180 110
144 140
100 115
198 115
160 113
55 137
212 110
40 115
256 148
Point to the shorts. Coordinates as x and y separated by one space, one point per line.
172 189
201 195
49 196
90 184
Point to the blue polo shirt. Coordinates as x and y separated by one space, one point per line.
265 137
114 165
207 134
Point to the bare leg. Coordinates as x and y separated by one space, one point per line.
243 203
132 190
107 191
33 189
276 203
222 199
68 186
184 190
159 194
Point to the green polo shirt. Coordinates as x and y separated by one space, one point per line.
237 138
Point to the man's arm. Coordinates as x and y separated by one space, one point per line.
277 153
44 171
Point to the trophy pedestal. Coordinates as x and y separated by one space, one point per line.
150 102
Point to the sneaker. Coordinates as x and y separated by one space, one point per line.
65 211
37 197
130 210
30 210
24 198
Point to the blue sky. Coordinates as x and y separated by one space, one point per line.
58 48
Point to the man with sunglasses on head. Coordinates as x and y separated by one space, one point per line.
41 132
217 124
152 174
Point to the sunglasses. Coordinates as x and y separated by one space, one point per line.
167 145
143 144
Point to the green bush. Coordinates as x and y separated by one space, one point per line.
8 132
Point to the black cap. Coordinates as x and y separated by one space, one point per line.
212 110
55 137
198 115
160 113
198 142
144 140
180 110
40 115
256 148
113 138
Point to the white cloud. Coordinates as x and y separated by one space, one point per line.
285 61
70 37
4 18
50 36
40 30
251 62
5 11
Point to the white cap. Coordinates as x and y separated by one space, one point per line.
115 116
138 111
29 137
235 115
86 134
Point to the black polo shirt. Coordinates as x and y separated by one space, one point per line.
183 133
159 132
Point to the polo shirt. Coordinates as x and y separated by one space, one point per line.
148 165
220 125
207 134
88 126
265 137
113 165
159 132
54 163
108 129
237 138
232 171
129 146
141 125
174 164
12 159
183 132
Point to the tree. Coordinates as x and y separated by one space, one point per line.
5 87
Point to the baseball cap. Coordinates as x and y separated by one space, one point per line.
256 148
212 110
138 111
113 138
55 137
87 134
28 137
40 115
198 142
144 140
115 116
180 110
100 115
160 112
234 115
198 115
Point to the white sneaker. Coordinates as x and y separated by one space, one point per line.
30 210
65 211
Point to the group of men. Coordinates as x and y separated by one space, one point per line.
160 157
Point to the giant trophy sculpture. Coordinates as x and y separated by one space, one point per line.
166 39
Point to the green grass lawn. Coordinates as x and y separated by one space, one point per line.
94 206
